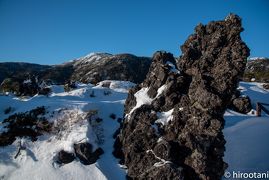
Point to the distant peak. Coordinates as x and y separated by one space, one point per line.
256 58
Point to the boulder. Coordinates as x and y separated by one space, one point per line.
265 85
64 157
241 105
84 151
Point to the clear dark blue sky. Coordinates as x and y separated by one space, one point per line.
54 31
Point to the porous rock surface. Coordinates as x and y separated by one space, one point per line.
241 104
174 119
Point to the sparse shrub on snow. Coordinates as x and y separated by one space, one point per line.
107 93
96 123
92 94
119 120
28 124
69 86
44 91
8 110
112 116
67 120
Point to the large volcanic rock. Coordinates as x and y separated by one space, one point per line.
174 119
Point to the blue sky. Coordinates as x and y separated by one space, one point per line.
54 31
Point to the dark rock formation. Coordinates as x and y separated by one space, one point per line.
58 74
174 119
84 152
29 124
265 85
64 157
24 86
241 104
44 91
20 87
18 69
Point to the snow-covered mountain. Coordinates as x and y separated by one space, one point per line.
246 148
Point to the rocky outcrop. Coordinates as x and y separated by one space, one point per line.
174 119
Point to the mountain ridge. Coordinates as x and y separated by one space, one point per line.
23 69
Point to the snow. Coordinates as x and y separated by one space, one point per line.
90 58
161 90
119 86
141 99
172 67
161 161
27 81
247 146
256 58
164 117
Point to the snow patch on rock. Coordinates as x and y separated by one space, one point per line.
164 117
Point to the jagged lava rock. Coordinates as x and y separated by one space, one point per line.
65 157
240 103
174 119
84 151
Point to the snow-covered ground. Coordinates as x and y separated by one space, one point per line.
70 110
246 149
247 144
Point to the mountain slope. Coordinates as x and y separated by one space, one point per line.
18 69
97 67
257 69
92 68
